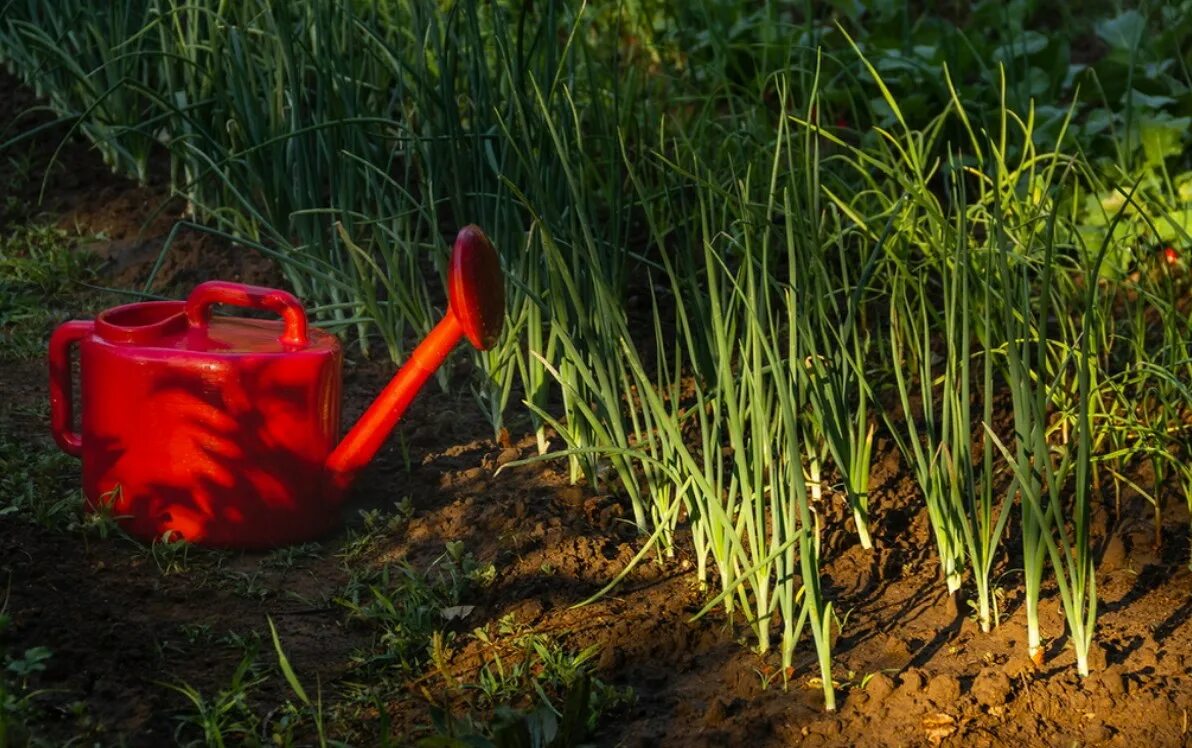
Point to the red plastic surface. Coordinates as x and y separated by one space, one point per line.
476 308
215 431
205 295
222 430
369 433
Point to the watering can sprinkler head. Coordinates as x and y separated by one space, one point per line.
475 310
476 293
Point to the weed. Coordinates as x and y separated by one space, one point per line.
248 643
314 707
40 273
409 606
246 584
171 553
17 715
288 556
100 521
196 633
224 718
376 525
33 661
534 688
38 482
18 709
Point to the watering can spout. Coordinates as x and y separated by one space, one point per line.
475 309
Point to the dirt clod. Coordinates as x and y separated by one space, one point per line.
1114 556
1017 665
1148 657
991 688
715 713
1112 681
507 456
609 660
1097 733
879 687
910 683
943 690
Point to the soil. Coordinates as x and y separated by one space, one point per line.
913 670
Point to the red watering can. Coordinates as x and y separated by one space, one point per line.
223 430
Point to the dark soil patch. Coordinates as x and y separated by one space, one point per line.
912 671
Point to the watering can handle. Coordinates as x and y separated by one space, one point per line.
61 412
204 295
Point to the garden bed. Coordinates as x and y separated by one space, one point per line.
126 626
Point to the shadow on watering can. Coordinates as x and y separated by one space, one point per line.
197 448
222 429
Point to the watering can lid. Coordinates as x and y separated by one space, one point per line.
476 287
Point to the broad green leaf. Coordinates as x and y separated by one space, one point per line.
1124 32
1147 100
1029 43
1161 137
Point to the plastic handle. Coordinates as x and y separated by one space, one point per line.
61 415
198 306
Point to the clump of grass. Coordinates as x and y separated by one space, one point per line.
19 712
38 482
531 685
41 271
408 606
225 717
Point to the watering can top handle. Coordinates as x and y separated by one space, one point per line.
204 295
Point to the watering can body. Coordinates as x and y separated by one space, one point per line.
223 430
211 429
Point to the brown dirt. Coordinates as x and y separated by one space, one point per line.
912 672
64 182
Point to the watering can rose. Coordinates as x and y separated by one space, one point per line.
224 430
